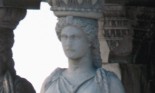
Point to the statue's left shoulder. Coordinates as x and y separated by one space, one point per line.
114 84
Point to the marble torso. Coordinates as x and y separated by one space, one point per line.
99 83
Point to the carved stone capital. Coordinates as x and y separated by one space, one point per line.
81 8
10 17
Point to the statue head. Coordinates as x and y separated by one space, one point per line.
89 27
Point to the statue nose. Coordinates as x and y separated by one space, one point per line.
69 43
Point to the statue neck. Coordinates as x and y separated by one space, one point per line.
79 70
83 64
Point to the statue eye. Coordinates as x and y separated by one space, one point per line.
73 37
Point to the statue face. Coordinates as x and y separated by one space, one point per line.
74 42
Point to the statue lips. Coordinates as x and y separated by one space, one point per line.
69 50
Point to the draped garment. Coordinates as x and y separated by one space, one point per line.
99 83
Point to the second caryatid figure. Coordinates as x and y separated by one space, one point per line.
77 30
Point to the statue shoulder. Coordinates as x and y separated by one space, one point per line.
115 84
23 86
105 74
50 79
110 81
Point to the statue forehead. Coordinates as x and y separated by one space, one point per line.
72 30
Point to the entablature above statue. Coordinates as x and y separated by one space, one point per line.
26 4
148 3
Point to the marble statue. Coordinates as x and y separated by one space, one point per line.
84 74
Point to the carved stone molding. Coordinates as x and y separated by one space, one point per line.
10 17
118 33
27 4
148 3
81 8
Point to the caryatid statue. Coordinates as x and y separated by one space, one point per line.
77 30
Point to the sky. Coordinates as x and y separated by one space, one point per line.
37 50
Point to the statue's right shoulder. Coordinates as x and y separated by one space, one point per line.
54 75
50 79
